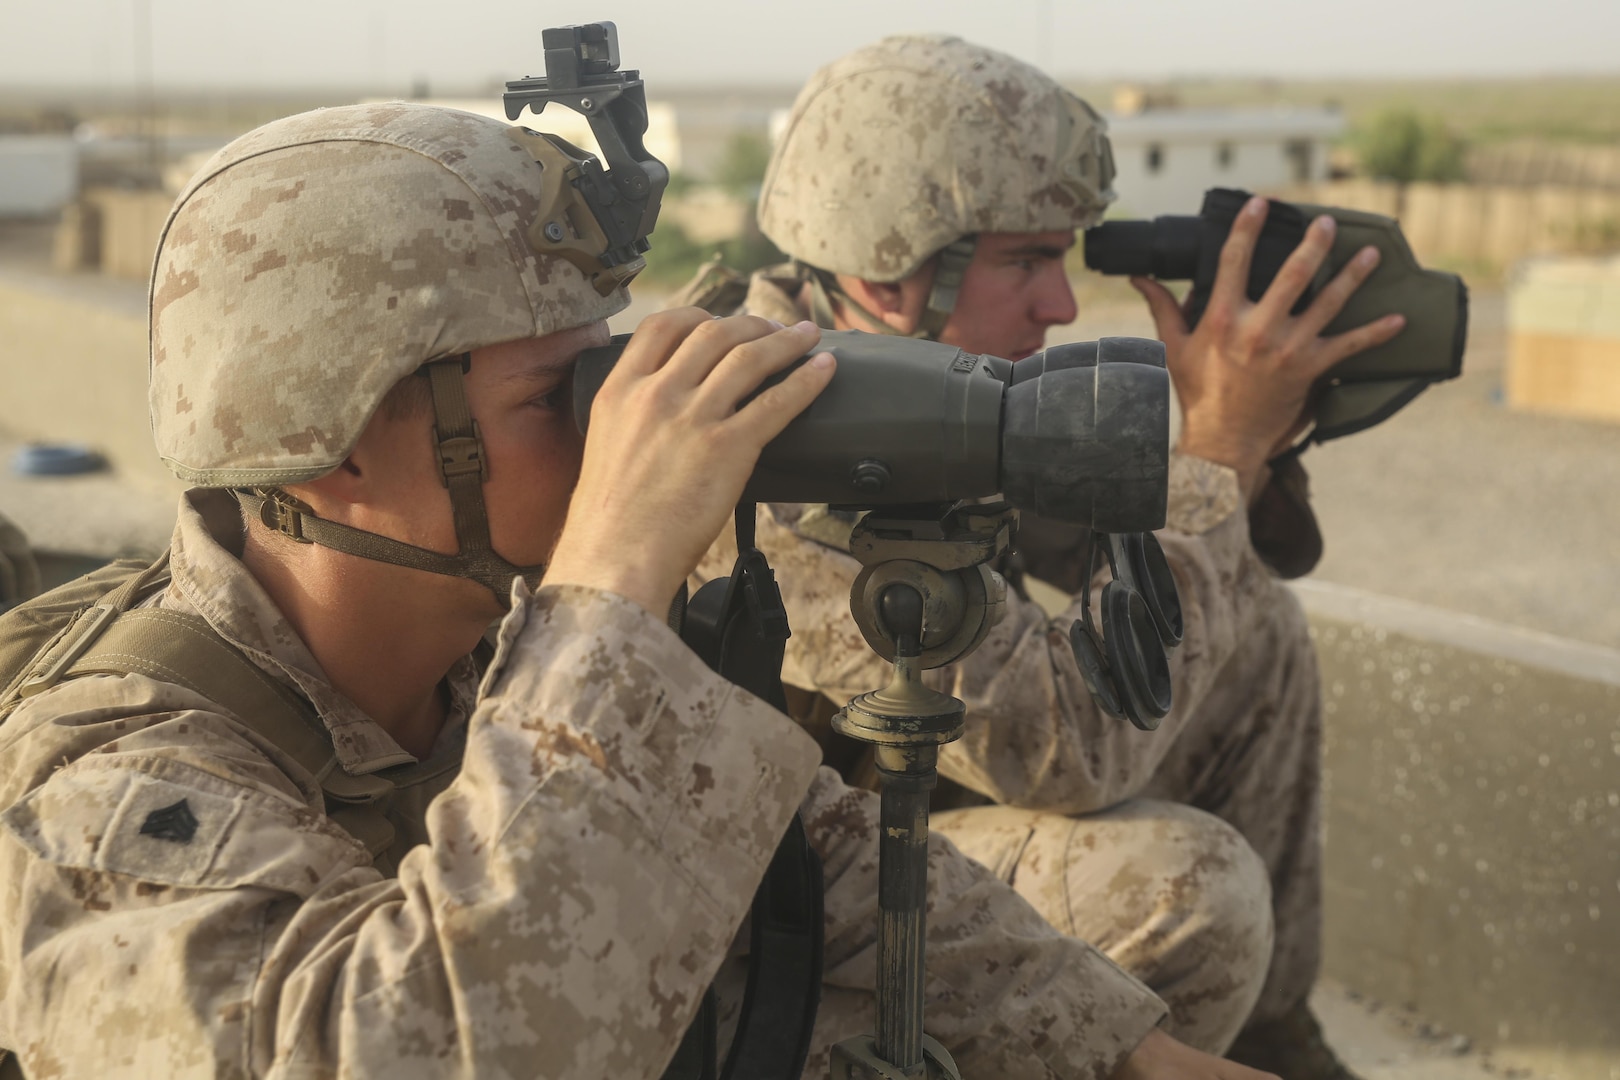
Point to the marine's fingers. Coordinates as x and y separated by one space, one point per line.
742 370
1347 344
1297 271
710 342
763 418
1232 273
1168 319
655 341
1331 300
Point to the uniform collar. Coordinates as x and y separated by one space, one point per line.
211 581
773 293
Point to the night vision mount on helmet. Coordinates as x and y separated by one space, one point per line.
600 219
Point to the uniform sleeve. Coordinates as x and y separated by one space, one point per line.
172 906
1007 994
1034 736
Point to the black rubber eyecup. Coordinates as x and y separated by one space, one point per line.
1094 669
1135 656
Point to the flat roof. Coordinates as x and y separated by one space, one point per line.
1225 124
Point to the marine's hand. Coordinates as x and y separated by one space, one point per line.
669 451
1244 375
1160 1057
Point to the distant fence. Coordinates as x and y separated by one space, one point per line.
1536 163
1488 226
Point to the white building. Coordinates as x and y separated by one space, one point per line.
39 174
1167 158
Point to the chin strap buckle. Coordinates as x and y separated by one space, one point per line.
284 514
462 455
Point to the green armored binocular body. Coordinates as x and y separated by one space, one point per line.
1366 388
1077 433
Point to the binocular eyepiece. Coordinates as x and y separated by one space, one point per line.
1076 433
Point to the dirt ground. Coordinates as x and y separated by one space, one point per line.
1462 503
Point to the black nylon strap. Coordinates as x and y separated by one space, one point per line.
293 520
463 468
462 464
739 627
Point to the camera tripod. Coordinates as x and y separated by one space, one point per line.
925 598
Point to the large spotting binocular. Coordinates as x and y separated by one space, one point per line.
1076 433
1365 389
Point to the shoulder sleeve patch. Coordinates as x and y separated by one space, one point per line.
166 822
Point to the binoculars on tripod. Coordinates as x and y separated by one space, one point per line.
1077 433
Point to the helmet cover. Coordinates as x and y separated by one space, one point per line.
318 260
907 145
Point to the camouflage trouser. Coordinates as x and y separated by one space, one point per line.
1172 894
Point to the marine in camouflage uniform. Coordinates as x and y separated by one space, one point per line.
916 179
573 841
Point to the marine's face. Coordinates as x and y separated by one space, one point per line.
1015 287
521 393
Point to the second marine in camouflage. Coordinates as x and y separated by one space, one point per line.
925 186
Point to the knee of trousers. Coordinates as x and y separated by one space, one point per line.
1172 894
1181 875
1185 906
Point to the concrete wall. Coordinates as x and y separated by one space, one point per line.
1167 158
1473 826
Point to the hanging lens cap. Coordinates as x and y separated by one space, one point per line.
1094 669
1135 656
1150 576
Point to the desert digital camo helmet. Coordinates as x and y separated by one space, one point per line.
913 145
314 263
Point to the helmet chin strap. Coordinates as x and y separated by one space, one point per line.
950 266
463 468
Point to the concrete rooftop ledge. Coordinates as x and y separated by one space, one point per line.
1472 815
1576 659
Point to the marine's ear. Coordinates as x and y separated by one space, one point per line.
392 459
898 304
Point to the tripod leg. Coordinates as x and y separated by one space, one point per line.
908 778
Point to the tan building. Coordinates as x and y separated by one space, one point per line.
1564 337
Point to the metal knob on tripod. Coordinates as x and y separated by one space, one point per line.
925 598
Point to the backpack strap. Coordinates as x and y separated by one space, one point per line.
739 627
109 638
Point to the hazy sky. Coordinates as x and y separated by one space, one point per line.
465 43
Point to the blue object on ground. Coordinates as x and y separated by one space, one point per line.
56 459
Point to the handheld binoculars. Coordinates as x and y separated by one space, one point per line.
1365 389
